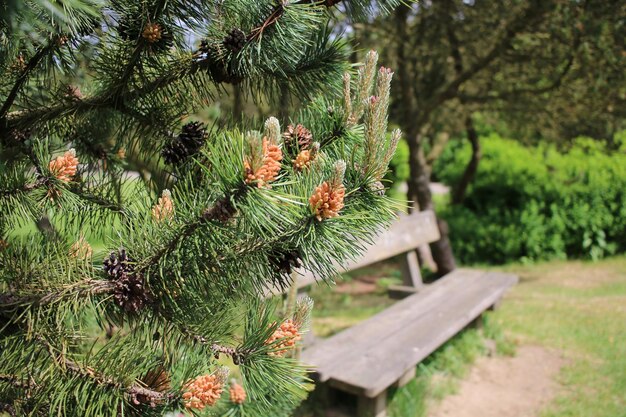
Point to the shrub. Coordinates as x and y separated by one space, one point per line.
399 170
531 203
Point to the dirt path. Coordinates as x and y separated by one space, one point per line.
506 387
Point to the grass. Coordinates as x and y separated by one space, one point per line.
578 308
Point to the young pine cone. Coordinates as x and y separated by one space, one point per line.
81 249
327 201
237 393
152 32
204 390
287 334
298 137
164 208
303 160
64 167
269 168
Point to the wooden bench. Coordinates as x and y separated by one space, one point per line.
402 238
384 350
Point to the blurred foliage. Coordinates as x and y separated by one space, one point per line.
399 169
530 203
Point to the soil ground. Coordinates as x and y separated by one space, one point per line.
503 386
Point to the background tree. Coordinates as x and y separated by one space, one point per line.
174 286
557 64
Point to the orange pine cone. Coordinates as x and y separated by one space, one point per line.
81 249
64 167
203 391
237 393
164 208
327 201
288 332
302 161
268 171
152 32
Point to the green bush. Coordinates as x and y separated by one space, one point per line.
530 203
399 170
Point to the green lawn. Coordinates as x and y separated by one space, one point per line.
578 308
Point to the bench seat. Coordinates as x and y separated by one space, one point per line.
377 353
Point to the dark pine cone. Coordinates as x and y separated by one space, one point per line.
283 263
222 211
213 61
221 73
205 47
187 143
297 137
235 40
118 265
130 293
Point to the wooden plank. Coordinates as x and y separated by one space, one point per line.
381 325
377 367
404 235
329 354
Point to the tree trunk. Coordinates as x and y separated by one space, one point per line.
419 191
419 181
284 104
237 103
458 194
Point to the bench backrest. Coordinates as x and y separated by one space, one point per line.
404 235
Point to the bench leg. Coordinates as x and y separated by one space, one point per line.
406 377
495 305
477 323
411 274
372 407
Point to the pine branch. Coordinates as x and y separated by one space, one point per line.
16 381
9 409
99 201
87 287
42 181
112 99
276 14
326 3
135 390
30 66
221 211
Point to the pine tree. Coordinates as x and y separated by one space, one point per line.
153 320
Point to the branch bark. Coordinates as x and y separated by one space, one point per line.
459 191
